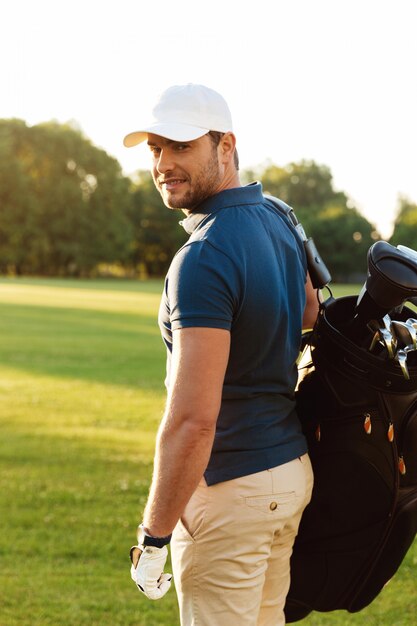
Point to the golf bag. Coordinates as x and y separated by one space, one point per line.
357 402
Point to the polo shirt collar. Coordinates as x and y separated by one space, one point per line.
249 194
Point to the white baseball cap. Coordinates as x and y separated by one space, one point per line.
184 113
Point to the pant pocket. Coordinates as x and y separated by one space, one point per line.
276 505
192 520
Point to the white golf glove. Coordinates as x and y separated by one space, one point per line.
147 570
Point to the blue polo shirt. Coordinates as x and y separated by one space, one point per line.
243 269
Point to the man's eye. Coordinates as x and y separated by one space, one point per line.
181 146
154 149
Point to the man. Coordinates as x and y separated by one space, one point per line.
231 474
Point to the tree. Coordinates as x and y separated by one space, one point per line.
343 238
306 186
341 234
65 207
405 225
64 203
157 233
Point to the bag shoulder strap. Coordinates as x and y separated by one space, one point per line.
319 274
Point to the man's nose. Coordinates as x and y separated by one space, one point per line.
165 162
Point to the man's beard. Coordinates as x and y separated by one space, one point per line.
203 185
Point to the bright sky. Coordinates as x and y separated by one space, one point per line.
329 80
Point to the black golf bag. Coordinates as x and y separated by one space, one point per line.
357 402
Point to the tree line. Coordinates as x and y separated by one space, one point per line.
67 209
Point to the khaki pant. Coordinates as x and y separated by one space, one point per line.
231 550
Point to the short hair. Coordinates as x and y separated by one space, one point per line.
216 136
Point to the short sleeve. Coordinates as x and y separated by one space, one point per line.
202 288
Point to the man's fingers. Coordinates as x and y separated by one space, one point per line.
165 578
147 571
133 573
155 589
162 586
135 553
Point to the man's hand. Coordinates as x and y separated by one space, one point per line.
147 570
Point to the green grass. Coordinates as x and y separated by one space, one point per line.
81 394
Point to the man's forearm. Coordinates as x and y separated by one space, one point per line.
185 437
182 454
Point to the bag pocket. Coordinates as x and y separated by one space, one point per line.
391 553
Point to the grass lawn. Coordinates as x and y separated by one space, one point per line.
81 394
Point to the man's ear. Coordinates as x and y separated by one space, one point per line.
227 147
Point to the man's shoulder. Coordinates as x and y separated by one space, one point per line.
204 248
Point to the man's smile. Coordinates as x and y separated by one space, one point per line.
172 183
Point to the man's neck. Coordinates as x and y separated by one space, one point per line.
232 182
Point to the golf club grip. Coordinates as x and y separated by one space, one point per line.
366 309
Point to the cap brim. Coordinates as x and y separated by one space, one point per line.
175 132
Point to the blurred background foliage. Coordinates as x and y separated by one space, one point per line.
67 209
